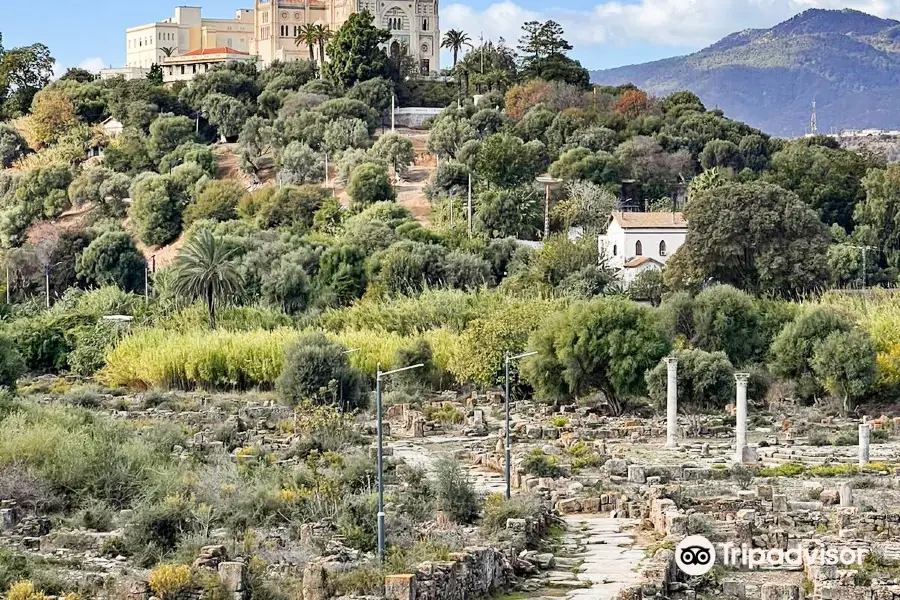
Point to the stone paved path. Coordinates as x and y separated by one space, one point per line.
597 560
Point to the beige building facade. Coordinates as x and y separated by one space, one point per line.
413 25
187 31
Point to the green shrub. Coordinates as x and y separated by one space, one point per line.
539 464
41 342
497 510
316 369
218 201
12 365
743 476
370 183
446 414
364 580
818 438
785 470
91 345
879 436
846 438
157 529
456 495
559 421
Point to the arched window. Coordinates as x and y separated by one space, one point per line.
638 248
615 250
662 248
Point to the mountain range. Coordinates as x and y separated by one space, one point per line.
847 61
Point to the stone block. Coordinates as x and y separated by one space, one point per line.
780 591
569 506
400 587
616 466
734 589
808 506
550 433
591 505
636 474
517 525
779 503
315 582
749 456
7 518
233 576
746 514
533 432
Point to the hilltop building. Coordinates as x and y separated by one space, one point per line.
188 43
639 241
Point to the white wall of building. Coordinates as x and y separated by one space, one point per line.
619 245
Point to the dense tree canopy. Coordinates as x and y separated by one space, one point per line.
757 236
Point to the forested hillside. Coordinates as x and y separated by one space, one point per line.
846 61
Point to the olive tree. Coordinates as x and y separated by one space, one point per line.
396 151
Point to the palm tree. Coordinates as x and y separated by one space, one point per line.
307 36
322 35
455 40
169 51
204 269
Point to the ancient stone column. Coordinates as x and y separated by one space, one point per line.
846 493
864 430
741 415
671 401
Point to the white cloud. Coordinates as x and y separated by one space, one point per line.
675 23
93 64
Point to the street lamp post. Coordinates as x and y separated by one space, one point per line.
378 378
508 449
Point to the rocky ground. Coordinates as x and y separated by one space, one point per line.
623 501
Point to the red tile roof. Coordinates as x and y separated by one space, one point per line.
639 260
650 220
206 51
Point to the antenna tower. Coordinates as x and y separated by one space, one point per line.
813 126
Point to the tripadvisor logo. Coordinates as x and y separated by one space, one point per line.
695 555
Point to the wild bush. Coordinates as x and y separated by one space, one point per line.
317 370
456 495
539 464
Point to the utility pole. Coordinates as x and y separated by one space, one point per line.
813 125
481 37
392 113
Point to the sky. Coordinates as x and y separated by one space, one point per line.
605 33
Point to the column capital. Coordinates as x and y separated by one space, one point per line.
742 377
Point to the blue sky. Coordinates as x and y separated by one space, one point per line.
605 33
